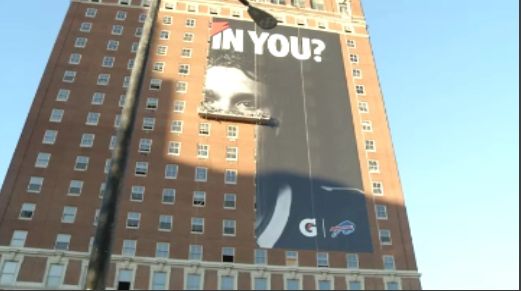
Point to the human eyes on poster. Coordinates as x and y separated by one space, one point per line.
291 82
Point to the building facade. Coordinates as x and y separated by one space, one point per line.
259 159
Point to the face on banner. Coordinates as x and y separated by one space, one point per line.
308 177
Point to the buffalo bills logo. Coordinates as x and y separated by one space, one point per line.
345 227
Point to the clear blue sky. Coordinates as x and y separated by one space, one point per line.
449 73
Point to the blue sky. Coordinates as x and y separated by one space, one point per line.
449 73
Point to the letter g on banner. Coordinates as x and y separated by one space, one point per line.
308 227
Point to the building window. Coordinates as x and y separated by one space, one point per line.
378 188
355 285
27 211
103 79
130 64
145 145
134 47
201 174
385 236
117 29
230 176
232 153
75 59
188 37
229 227
351 43
191 8
121 15
91 12
357 74
204 129
230 201
353 58
190 22
54 276
69 76
162 250
292 284
35 184
141 169
142 17
370 145
165 222
261 257
18 239
158 67
392 285
389 262
112 142
138 32
195 252
162 50
214 11
75 188
324 285
137 193
126 81
82 163
108 164
42 160
129 248
62 242
92 118
69 214
108 62
179 106
133 219
227 282
117 120
197 225
352 261
49 137
152 103
85 27
367 126
228 255
56 115
80 42
164 35
121 102
102 188
363 107
125 278
149 123
174 148
381 212
291 258
171 171
181 87
97 98
155 84
159 281
322 259
232 131
203 151
199 199
145 3
87 140
168 196
193 281
184 69
186 53
96 217
112 45
260 283
167 20
360 89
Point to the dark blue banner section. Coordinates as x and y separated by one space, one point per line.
292 83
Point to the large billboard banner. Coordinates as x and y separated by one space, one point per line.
291 82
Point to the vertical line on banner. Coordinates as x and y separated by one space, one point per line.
306 125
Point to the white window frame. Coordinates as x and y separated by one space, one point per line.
184 69
49 137
171 193
128 248
174 148
199 199
92 118
186 53
75 59
133 217
231 182
168 219
42 160
80 160
179 106
176 126
62 238
228 200
198 178
229 224
232 153
69 214
377 188
141 165
171 169
27 208
384 233
69 76
18 238
80 42
75 184
87 140
137 193
103 80
194 224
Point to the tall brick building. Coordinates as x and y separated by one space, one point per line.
259 159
